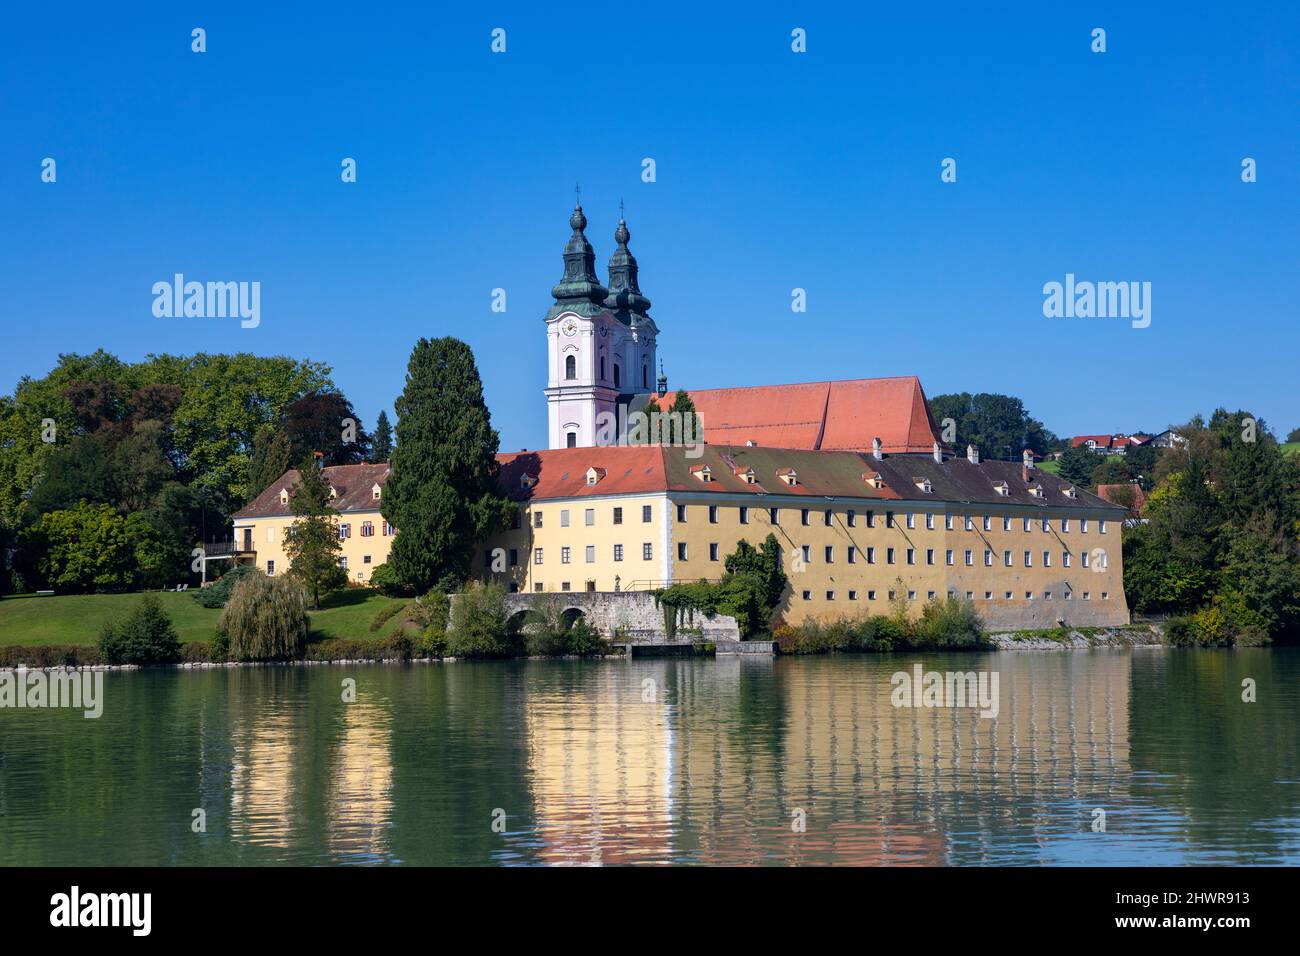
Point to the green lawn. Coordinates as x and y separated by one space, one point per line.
1291 448
77 618
1051 467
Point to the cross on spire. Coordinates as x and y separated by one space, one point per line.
577 192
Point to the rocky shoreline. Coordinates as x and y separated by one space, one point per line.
1081 638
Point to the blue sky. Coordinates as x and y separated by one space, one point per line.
775 170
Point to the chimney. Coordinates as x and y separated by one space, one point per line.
876 452
1026 463
972 454
938 453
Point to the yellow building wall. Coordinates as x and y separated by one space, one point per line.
362 553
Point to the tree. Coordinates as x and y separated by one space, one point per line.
1076 465
312 541
442 493
478 619
83 548
145 637
679 429
996 424
265 619
323 421
381 448
1293 436
272 456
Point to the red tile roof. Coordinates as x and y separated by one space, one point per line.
1108 441
825 416
1115 496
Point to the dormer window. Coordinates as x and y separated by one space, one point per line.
873 479
702 472
788 475
594 475
1001 488
746 474
527 481
334 492
1036 490
284 496
375 492
924 485
1070 492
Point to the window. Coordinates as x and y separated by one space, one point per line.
345 531
618 552
564 517
774 515
1101 527
871 519
570 367
889 519
681 550
853 595
889 555
617 375
852 555
744 515
647 552
911 555
537 519
539 586
1006 558
590 553
970 523
988 558
589 516
947 522
515 519
1027 524
830 595
830 554
565 555
537 556
929 555
988 595
911 520
929 521
1065 524
1065 559
270 569
618 516
1083 558
1029 595
827 518
948 559
929 595
1047 559
871 555
807 595
1047 524
851 518
1047 595
1006 522
803 516
367 529
713 552
1087 596
911 595
806 551
970 557
564 586
514 557
713 514
388 529
571 440
1009 597
871 595
892 594
1083 526
645 514
1068 595
1105 595
681 513
988 523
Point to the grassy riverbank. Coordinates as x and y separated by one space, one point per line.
77 619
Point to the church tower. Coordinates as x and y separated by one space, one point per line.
600 342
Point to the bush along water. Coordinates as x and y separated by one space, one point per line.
944 625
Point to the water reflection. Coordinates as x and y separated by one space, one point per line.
792 761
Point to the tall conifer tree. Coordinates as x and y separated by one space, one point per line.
382 443
442 496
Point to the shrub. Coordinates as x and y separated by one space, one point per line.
143 637
948 625
49 655
197 652
585 641
478 622
217 593
384 578
1180 631
265 619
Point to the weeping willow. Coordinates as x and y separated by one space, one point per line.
265 619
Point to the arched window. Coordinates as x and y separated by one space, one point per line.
570 367
645 377
616 382
602 368
571 440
